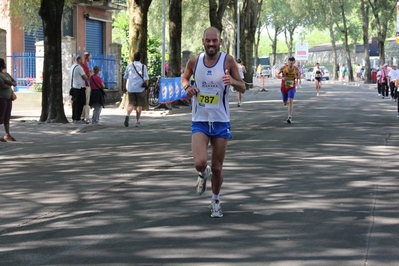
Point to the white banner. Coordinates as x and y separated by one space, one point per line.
302 51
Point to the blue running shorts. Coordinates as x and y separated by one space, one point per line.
289 94
212 129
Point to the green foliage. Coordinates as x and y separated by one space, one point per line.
154 64
25 13
120 34
195 20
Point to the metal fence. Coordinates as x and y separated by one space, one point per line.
28 75
106 63
24 70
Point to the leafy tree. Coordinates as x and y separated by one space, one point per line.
383 12
274 21
249 18
343 7
138 16
216 13
52 100
50 13
364 9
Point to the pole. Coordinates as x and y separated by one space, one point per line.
163 38
238 29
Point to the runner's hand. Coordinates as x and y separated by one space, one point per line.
226 78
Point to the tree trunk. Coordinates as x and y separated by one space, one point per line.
52 100
216 12
249 18
365 25
346 43
256 46
138 15
175 29
333 45
289 40
277 31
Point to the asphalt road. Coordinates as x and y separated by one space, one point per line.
321 191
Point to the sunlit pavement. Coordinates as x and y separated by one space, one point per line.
320 191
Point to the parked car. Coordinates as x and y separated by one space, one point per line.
309 73
266 71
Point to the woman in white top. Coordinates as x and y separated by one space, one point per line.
242 70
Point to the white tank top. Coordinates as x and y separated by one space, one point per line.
211 104
241 71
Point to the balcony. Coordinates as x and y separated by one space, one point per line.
104 4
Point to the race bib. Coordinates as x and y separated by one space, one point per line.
208 99
289 83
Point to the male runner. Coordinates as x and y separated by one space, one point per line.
288 74
214 72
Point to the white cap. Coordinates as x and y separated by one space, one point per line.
385 65
395 65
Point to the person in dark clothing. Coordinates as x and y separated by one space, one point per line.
97 96
78 91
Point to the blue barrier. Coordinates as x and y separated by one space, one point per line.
24 70
106 63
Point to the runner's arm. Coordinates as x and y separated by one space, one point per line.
185 78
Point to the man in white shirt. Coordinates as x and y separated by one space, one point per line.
135 83
393 81
78 90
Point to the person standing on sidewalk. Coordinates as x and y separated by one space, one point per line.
214 72
358 72
86 69
134 83
78 91
393 77
242 70
384 81
6 83
288 74
97 95
379 88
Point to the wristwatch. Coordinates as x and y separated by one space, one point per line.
186 87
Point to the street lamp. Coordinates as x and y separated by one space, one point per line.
238 29
163 38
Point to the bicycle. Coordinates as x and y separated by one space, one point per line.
154 93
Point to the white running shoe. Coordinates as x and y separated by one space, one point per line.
200 187
289 119
216 209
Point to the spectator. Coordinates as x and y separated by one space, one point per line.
343 72
78 91
358 72
97 95
259 70
86 69
393 81
242 70
378 81
6 81
384 81
136 77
